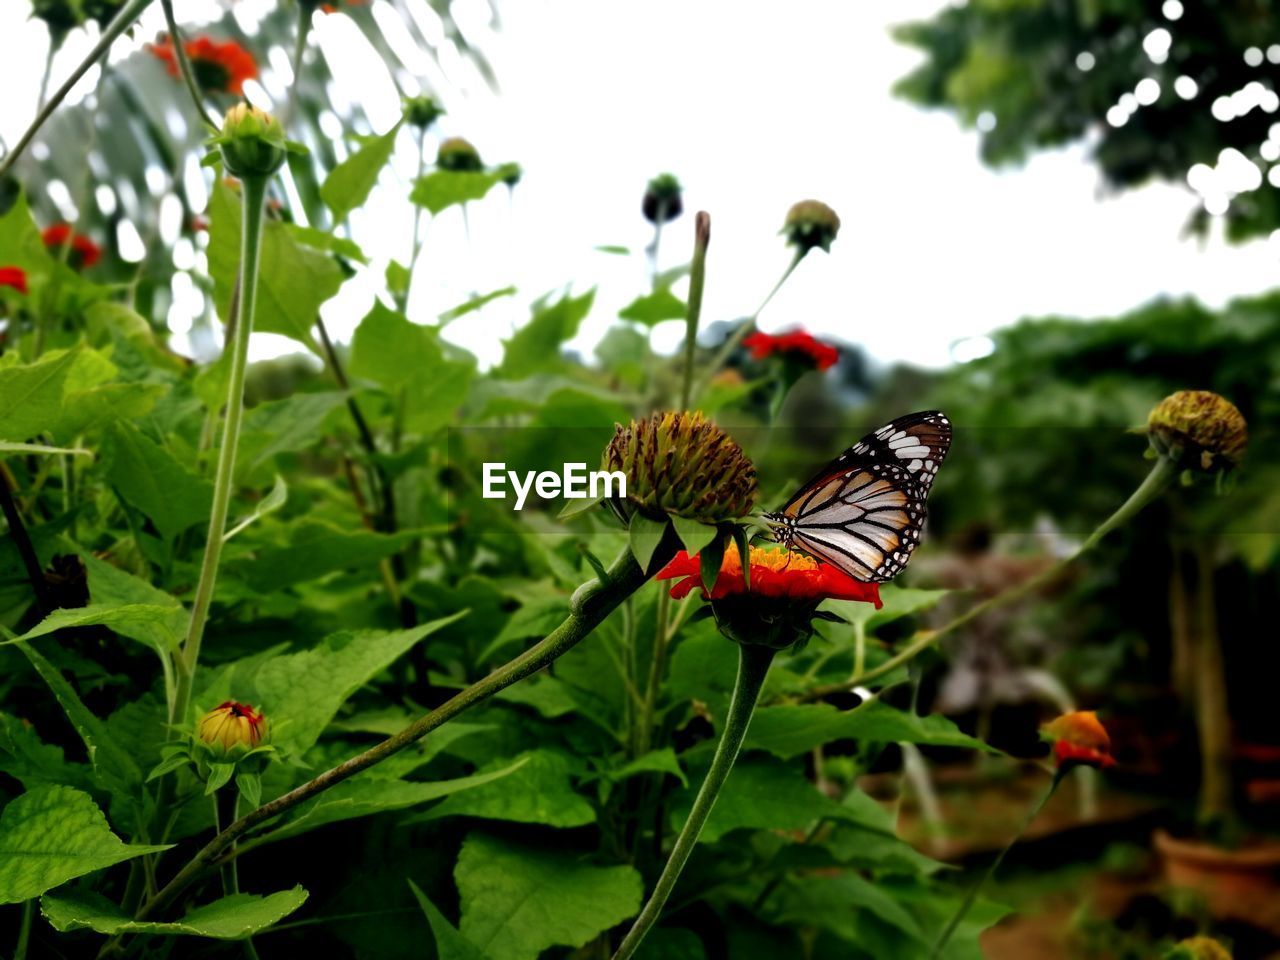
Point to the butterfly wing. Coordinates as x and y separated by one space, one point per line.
863 511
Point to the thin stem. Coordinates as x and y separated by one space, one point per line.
22 539
972 895
697 279
24 931
254 191
416 249
1157 480
753 667
48 72
734 339
122 22
184 65
299 52
590 605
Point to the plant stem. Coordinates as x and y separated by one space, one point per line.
254 191
1161 475
122 22
753 667
184 65
972 895
697 279
734 339
22 539
299 52
1213 719
24 931
416 249
591 604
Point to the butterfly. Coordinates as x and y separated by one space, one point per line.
864 510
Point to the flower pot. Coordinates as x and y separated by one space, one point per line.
1241 884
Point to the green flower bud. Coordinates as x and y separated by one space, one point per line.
458 155
232 730
809 224
681 464
511 174
1198 430
252 142
663 199
422 112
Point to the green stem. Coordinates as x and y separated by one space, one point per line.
972 895
184 65
416 249
299 52
735 339
254 191
753 667
24 931
590 605
1161 475
122 22
697 279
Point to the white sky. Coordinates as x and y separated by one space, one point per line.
753 110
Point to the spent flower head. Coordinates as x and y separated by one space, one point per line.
681 464
252 142
663 199
1198 430
809 224
458 155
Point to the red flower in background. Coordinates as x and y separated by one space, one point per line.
774 574
1079 737
83 253
335 7
14 277
795 344
218 67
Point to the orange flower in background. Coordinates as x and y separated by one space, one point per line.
795 344
774 574
218 67
83 251
232 725
14 277
339 4
1079 737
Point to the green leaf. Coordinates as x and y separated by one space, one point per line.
283 426
663 760
363 797
269 504
348 186
898 602
541 791
789 730
575 508
442 189
548 695
518 900
645 535
20 242
694 535
51 835
535 347
235 917
834 902
653 308
313 549
159 627
294 279
152 480
307 688
450 944
114 766
710 561
475 303
32 762
31 395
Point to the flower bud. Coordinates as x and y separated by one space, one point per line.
809 224
681 464
232 729
458 155
252 142
422 112
662 199
1079 738
1198 430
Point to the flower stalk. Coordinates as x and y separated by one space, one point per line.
184 65
697 280
753 667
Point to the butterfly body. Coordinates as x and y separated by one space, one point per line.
863 511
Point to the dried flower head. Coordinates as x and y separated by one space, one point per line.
809 224
663 199
682 464
1079 738
232 729
1198 430
458 155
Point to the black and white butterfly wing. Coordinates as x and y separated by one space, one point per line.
863 511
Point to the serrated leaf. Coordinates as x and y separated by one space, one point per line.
645 535
312 549
535 347
54 834
541 791
350 182
442 189
231 918
149 477
653 308
34 763
518 900
450 944
655 761
160 627
283 426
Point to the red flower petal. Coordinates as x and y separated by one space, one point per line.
774 573
795 343
14 277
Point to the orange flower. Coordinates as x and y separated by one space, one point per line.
14 277
796 345
774 574
83 253
218 67
1079 737
335 7
232 726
